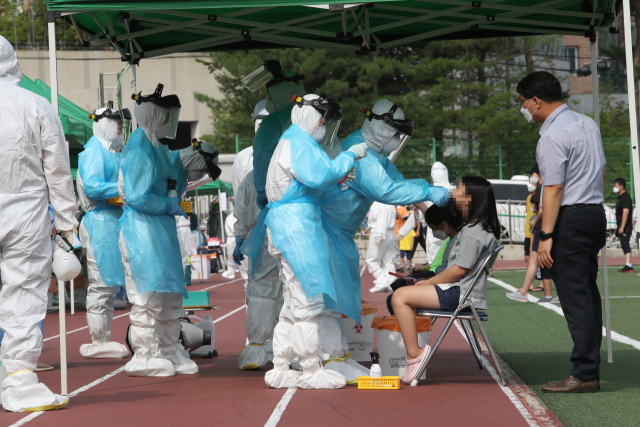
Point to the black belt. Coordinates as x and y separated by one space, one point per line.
579 205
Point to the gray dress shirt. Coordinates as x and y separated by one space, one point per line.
570 152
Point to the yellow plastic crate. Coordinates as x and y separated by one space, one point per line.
115 201
186 206
380 383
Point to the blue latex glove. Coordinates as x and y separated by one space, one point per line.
262 200
174 208
237 254
439 195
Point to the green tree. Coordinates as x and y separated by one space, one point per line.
28 26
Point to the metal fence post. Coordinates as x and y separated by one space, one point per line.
500 157
510 228
237 145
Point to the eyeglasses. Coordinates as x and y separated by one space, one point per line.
520 102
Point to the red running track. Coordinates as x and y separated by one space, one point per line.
455 393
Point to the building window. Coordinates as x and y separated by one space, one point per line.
571 54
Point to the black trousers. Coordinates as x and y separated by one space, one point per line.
578 237
419 239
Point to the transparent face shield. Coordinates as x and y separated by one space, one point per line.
403 138
328 124
269 74
169 127
330 134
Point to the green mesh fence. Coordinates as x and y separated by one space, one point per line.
494 160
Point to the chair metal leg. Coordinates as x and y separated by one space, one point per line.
472 341
434 348
486 340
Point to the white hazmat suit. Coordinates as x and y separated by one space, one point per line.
97 181
380 252
230 235
34 168
242 165
264 290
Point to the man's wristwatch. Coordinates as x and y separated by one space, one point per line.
545 236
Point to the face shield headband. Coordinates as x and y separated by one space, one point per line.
214 170
109 113
402 126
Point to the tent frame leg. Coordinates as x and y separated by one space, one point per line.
53 70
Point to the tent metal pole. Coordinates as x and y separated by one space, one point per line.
605 270
199 236
631 91
53 71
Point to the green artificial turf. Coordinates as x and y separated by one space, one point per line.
536 344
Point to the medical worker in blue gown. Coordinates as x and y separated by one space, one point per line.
97 182
308 327
188 165
377 179
149 241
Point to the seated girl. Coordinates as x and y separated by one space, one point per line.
444 223
479 230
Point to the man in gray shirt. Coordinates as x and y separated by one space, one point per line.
571 161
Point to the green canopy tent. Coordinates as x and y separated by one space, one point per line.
213 188
76 124
141 29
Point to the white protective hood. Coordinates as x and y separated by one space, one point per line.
9 69
440 175
282 93
377 133
151 119
105 129
242 165
306 117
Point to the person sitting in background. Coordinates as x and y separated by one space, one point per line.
478 235
624 213
443 222
406 244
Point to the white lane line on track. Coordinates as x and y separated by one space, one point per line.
34 415
614 335
127 313
280 407
84 327
362 270
510 394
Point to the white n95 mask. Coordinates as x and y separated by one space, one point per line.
319 133
118 141
531 187
527 115
616 190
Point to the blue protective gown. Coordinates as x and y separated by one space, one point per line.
149 232
343 210
98 169
181 174
297 229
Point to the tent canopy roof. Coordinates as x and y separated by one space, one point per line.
212 188
139 29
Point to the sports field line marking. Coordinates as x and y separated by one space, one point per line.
280 407
127 313
84 327
34 415
507 391
614 335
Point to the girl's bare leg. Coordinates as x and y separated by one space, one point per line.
404 301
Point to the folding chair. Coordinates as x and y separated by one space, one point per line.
465 320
